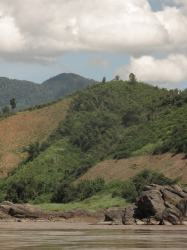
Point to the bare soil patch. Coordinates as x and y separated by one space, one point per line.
170 166
20 130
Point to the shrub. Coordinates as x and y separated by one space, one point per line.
133 187
67 192
129 191
64 193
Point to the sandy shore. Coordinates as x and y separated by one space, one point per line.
84 225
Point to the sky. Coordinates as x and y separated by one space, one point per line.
95 38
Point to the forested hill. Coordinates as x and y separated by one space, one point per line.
65 83
115 120
29 93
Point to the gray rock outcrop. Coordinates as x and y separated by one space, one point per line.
10 211
21 212
160 205
156 205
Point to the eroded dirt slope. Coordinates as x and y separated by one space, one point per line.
20 130
170 166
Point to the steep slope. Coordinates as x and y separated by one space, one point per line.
20 130
113 120
29 93
124 169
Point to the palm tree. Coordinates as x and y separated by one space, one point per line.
33 151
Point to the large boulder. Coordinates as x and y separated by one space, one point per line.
158 205
151 203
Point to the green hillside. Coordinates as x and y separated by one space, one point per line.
26 93
64 84
29 93
113 120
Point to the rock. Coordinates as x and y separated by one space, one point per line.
140 222
151 186
129 215
4 216
161 205
182 206
176 190
22 210
172 215
153 221
10 211
114 215
165 222
170 197
150 203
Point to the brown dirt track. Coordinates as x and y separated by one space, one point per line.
20 130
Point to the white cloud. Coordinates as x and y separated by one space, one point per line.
11 40
41 30
49 28
98 62
175 22
162 72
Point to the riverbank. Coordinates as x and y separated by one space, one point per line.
75 225
156 205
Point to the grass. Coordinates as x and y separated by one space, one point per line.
146 150
133 166
22 112
94 203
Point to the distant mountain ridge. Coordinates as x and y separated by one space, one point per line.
28 93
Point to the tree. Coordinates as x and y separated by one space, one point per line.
13 103
177 143
6 110
132 78
117 78
104 79
33 151
64 193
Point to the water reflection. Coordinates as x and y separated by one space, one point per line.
84 236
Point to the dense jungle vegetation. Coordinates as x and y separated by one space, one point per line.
29 93
114 119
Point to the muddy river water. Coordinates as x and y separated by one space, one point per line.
63 235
